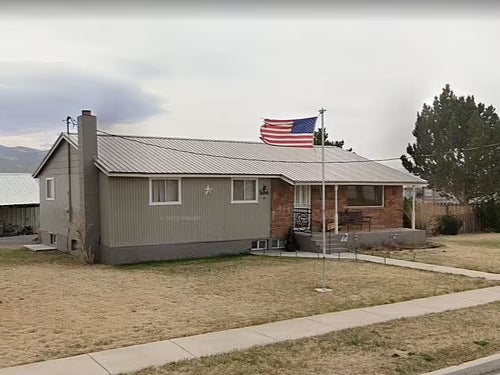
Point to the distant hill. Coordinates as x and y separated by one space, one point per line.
19 159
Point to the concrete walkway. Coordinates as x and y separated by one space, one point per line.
137 357
388 261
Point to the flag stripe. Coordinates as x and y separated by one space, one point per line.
289 133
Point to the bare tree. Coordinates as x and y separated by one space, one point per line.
80 231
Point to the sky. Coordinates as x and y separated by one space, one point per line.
216 69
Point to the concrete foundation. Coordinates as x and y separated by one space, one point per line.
345 241
149 253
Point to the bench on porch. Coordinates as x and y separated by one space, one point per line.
355 217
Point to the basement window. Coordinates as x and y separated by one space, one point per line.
259 245
53 238
365 196
278 244
50 191
74 245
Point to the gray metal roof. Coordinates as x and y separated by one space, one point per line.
177 156
18 189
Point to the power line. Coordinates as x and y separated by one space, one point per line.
135 140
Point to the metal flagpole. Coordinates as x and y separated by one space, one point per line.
323 194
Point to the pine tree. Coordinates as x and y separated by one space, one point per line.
317 140
444 134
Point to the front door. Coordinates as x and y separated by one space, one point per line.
302 208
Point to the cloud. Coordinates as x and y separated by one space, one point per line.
38 96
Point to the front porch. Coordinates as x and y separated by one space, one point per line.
355 239
361 216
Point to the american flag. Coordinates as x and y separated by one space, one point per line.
289 133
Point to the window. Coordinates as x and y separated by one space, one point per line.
259 245
244 191
50 191
53 238
303 196
278 244
365 195
74 245
164 191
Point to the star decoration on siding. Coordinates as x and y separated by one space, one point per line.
208 190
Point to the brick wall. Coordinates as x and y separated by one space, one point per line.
390 216
281 207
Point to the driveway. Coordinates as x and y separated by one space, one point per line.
15 242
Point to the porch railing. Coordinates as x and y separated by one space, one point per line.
302 219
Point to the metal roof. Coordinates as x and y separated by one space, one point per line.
18 189
177 156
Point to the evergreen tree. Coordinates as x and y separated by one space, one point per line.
444 132
317 140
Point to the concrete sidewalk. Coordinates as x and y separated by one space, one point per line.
137 357
388 261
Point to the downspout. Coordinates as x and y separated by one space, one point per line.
70 205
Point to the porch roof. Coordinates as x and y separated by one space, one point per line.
134 155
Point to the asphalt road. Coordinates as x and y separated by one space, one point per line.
14 242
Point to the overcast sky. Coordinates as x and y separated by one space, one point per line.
215 71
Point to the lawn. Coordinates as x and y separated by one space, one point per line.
480 252
52 306
400 347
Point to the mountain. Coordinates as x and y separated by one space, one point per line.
19 159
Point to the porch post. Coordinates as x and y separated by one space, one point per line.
336 209
414 200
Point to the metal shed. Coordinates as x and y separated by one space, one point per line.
19 201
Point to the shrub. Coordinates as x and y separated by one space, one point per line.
291 241
408 203
488 214
449 224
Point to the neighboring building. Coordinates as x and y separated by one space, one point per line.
149 198
428 195
19 201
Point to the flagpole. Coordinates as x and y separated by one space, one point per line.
323 196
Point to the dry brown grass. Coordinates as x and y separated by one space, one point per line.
52 306
406 346
479 252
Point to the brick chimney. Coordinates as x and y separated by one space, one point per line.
89 181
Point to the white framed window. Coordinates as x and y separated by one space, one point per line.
365 196
278 243
53 238
244 190
302 196
164 191
259 245
50 189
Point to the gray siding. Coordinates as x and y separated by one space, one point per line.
21 215
54 213
128 220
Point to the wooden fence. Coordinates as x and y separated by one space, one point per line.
426 214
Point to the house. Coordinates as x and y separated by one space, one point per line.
19 202
135 199
429 195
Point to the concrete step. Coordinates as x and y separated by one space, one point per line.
333 247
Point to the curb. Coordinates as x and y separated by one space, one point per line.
479 366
